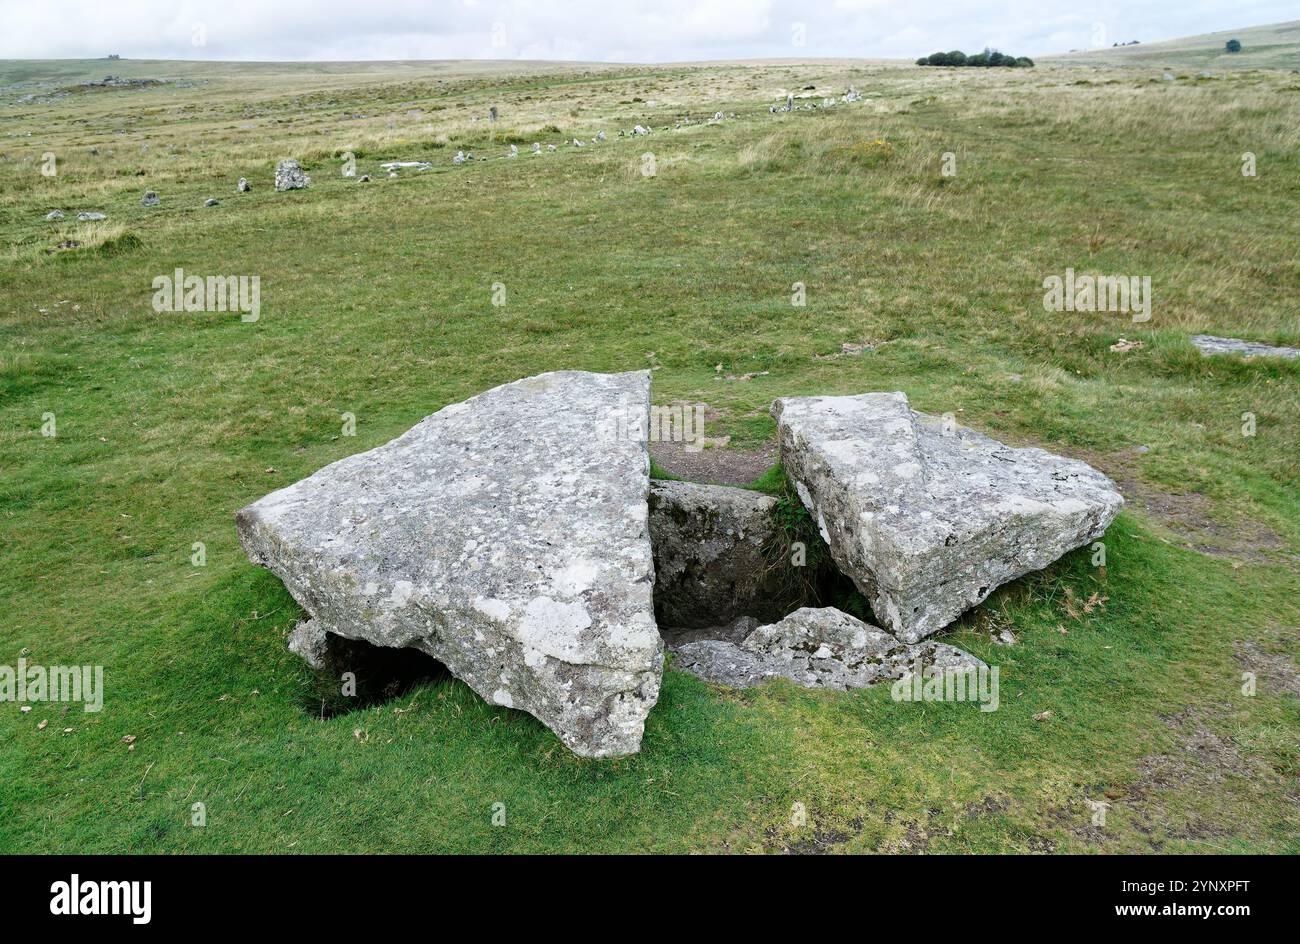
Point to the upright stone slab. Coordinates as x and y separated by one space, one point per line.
928 517
289 175
709 543
507 537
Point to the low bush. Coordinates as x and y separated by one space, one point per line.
987 58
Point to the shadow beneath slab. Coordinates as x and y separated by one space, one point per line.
357 675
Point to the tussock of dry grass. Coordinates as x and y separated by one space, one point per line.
103 236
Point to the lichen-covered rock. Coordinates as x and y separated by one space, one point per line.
150 199
310 643
507 537
709 545
677 636
289 175
1208 344
816 648
928 517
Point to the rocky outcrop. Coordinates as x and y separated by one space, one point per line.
815 648
507 537
709 543
928 517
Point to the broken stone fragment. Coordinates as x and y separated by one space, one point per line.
733 632
289 175
311 643
816 648
505 536
709 543
928 517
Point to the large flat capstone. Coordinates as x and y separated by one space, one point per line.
928 517
507 537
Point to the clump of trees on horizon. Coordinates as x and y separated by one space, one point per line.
985 59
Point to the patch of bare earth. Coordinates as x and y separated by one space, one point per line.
1189 518
1198 763
815 842
907 836
1274 670
715 465
712 460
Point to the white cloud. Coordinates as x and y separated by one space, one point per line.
610 30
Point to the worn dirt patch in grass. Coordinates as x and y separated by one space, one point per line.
905 835
1189 518
1199 762
718 465
710 459
1274 669
1200 755
814 842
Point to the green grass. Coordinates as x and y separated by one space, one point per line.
376 300
1274 46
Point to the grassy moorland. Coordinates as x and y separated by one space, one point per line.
1274 46
1126 683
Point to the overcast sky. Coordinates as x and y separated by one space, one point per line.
604 30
